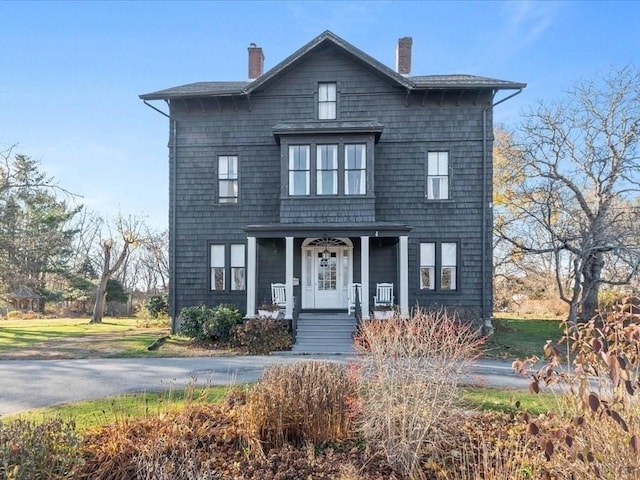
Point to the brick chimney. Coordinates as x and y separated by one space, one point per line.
256 61
403 55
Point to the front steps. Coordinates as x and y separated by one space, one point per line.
325 333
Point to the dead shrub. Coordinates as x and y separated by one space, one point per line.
262 335
408 383
194 443
305 402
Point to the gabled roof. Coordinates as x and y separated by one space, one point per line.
327 38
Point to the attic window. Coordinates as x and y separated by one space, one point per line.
327 101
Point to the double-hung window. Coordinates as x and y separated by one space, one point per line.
225 266
227 179
217 267
299 170
448 266
355 169
438 175
327 101
327 169
237 267
427 266
442 258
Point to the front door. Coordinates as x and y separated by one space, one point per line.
326 273
327 292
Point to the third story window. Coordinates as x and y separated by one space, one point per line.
438 175
327 101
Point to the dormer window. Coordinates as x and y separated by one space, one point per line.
327 101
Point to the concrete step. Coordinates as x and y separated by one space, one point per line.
324 333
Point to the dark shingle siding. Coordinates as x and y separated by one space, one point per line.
207 128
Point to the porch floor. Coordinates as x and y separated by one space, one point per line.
320 332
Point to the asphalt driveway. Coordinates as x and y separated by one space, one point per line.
27 384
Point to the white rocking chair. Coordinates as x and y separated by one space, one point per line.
384 295
279 295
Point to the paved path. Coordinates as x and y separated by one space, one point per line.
27 384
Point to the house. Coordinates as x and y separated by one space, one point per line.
331 169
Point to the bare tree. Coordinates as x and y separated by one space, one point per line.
578 161
128 237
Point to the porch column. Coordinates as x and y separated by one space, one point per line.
364 275
403 260
251 277
288 313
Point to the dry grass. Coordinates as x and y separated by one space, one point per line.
409 377
298 404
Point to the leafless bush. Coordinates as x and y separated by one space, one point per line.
409 377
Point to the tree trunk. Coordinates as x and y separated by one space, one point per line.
101 301
101 293
591 274
107 272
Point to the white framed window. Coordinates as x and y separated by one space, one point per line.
238 270
438 175
355 169
448 266
327 101
217 267
327 169
298 169
227 179
428 266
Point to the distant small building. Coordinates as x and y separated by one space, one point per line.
24 299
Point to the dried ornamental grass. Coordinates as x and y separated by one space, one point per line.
306 402
408 382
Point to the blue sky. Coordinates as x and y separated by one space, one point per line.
71 72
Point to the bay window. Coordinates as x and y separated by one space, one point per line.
355 169
327 169
299 170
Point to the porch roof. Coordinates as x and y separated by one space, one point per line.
281 230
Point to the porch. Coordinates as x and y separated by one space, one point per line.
317 266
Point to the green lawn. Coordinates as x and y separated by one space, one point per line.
22 333
77 338
518 338
106 411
